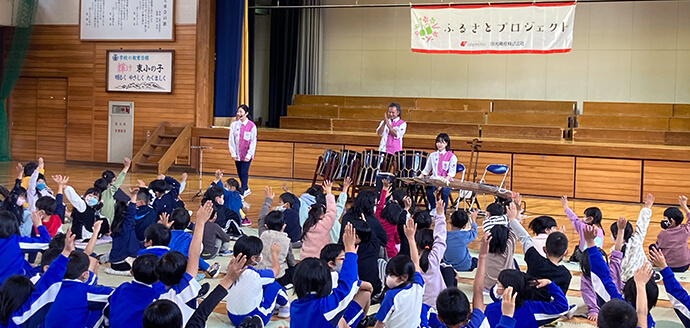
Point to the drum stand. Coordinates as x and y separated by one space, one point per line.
201 172
474 154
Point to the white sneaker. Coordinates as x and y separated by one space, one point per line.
284 311
247 193
117 273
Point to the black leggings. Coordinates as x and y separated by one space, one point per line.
122 266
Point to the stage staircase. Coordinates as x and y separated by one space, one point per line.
167 145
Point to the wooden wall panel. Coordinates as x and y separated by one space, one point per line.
608 179
51 116
306 157
528 119
663 180
533 106
636 109
56 51
380 102
272 159
544 175
623 136
483 105
681 110
447 116
623 122
22 118
319 100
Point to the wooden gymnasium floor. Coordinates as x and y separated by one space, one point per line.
83 175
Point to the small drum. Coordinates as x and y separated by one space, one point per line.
373 162
345 166
328 164
410 163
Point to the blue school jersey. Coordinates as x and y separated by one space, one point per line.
532 314
477 320
326 311
179 241
677 295
231 199
125 243
127 303
33 312
75 305
11 257
184 295
402 307
167 202
602 283
250 288
155 250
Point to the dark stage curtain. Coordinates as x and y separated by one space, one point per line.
283 60
229 15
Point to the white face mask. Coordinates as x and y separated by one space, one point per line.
279 208
338 267
221 201
261 258
392 282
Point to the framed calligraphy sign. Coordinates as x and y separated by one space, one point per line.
139 71
126 20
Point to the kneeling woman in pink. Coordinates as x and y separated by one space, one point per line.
441 164
242 144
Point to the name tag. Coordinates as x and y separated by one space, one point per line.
247 136
445 165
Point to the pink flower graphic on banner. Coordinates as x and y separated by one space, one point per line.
427 28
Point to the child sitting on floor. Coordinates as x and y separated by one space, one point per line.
452 304
180 240
542 226
258 289
495 215
12 258
673 240
592 218
216 240
275 224
431 245
125 242
316 229
156 240
634 255
318 304
231 196
457 254
146 216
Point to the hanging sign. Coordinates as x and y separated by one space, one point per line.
126 20
139 71
493 29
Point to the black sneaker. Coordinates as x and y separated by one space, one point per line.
214 270
367 321
204 289
252 322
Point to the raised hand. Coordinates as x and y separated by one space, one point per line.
133 191
484 245
649 201
285 188
164 218
268 192
69 243
142 184
20 170
184 177
408 203
349 238
621 223
657 258
327 187
410 229
275 250
236 267
97 227
564 201
513 212
508 302
683 201
204 212
473 215
127 162
386 186
643 274
590 233
219 175
36 219
346 184
41 164
440 208
160 177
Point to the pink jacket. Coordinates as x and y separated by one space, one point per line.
319 235
391 229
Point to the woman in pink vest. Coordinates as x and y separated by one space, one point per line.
442 164
242 144
391 130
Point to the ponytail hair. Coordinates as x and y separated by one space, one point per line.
315 213
425 241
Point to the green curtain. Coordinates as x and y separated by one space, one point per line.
13 67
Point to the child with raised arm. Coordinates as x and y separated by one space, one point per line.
317 227
605 288
452 305
110 189
592 218
12 259
431 244
676 293
457 254
125 242
388 215
634 255
673 240
402 303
